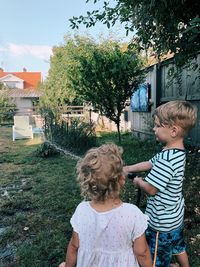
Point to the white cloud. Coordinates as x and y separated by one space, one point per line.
3 49
38 51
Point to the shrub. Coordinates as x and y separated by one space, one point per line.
7 109
78 136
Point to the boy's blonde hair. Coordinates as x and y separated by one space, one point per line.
177 112
99 172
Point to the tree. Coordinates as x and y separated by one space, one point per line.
172 25
57 89
104 74
107 77
3 86
7 107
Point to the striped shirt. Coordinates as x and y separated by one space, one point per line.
166 208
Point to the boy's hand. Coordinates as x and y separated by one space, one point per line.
131 175
125 170
145 186
137 180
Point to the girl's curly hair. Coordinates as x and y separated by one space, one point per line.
99 172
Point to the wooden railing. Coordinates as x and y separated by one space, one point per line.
72 112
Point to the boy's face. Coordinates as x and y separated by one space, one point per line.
162 132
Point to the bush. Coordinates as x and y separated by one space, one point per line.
7 110
78 136
46 150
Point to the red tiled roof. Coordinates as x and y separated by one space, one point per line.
31 79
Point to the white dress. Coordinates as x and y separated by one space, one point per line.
105 238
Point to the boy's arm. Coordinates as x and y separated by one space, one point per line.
138 167
72 250
145 186
141 251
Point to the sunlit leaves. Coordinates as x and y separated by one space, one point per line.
106 77
156 23
104 74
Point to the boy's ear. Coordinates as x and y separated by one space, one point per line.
174 130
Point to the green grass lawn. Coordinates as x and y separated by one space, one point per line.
39 194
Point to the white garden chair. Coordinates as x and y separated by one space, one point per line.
22 128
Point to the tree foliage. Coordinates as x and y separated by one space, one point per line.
106 77
171 25
3 86
57 88
7 106
104 74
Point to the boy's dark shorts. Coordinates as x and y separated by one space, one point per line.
169 243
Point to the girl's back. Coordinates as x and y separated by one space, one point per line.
105 238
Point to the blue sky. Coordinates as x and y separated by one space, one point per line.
30 28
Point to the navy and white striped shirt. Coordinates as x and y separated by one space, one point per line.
166 208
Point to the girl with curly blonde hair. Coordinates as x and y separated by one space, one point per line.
106 231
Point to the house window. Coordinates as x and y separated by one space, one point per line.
11 85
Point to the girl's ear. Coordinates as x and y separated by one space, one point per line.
121 180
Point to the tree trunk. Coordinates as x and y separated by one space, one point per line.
118 130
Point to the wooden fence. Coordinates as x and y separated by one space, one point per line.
170 83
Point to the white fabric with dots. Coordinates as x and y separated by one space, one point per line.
105 238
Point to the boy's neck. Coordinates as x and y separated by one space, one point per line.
175 144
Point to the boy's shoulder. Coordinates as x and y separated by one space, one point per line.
169 156
170 153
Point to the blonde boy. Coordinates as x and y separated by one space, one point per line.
163 183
